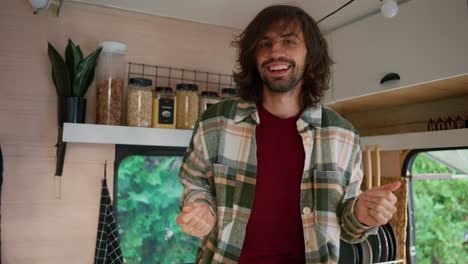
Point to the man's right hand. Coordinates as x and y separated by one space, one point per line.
196 219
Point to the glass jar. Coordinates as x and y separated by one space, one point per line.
228 93
187 105
164 108
139 102
207 99
110 75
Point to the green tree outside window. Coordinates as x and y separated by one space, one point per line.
441 214
148 192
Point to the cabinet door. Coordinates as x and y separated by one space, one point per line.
426 41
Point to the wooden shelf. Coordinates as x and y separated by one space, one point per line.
424 92
104 134
419 140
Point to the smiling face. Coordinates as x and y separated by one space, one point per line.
281 55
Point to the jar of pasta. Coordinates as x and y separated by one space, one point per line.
207 99
139 102
187 105
110 75
164 108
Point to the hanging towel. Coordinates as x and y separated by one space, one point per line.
107 243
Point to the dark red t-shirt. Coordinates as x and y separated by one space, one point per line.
274 232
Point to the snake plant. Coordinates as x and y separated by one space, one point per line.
73 76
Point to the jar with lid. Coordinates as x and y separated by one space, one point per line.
228 93
139 102
207 99
187 105
110 75
164 108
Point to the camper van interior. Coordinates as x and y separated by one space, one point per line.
139 73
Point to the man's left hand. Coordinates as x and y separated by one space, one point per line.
376 206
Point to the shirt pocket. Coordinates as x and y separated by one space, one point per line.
224 182
329 189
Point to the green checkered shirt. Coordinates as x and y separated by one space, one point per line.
220 168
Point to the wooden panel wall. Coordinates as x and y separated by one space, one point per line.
37 228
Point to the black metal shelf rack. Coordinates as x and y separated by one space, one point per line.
170 76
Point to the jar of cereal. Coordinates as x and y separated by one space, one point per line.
187 105
228 93
139 102
110 75
207 99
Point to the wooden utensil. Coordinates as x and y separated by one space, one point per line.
367 169
376 168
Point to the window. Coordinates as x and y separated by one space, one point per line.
147 192
438 206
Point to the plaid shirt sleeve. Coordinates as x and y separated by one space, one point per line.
352 230
195 173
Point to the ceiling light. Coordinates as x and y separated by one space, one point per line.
389 8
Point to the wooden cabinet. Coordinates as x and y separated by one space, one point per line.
426 41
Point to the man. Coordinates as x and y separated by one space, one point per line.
274 177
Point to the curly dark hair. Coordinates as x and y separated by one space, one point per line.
317 66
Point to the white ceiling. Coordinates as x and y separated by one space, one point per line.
237 13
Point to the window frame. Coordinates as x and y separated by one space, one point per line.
406 173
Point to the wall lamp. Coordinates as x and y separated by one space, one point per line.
39 4
45 7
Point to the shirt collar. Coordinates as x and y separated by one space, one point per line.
310 116
313 116
246 109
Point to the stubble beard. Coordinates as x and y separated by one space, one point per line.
279 85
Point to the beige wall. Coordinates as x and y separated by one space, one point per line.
37 227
